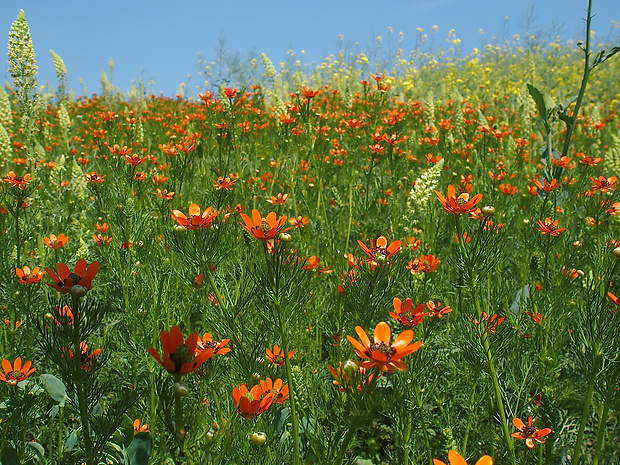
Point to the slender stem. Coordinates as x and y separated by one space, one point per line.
602 423
418 395
586 407
470 411
291 387
353 427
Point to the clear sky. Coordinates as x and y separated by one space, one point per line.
159 40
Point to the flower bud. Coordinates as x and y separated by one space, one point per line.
616 252
285 237
351 367
487 211
258 439
577 245
181 389
179 229
78 291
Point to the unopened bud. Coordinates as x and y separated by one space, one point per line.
487 211
577 244
616 252
351 367
78 291
285 237
258 439
181 389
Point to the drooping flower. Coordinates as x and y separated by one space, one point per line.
405 314
251 402
382 352
16 372
277 356
457 459
65 280
380 252
529 433
86 358
180 357
457 204
263 229
55 242
195 220
549 227
27 276
276 388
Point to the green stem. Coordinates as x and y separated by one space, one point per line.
470 411
353 427
291 387
418 395
586 406
602 422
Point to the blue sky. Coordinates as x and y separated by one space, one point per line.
160 40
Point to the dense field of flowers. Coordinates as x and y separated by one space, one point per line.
367 266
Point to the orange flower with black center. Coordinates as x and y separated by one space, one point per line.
179 356
380 252
164 194
21 182
279 391
16 372
223 184
263 229
206 343
549 227
81 276
279 200
603 184
299 222
94 178
547 186
405 314
195 220
457 459
438 308
251 402
87 358
55 242
134 159
457 204
27 276
277 356
529 433
383 353
309 94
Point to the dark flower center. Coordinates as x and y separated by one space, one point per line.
383 348
15 375
265 227
75 279
527 430
181 356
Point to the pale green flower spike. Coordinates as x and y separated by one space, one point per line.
22 65
6 150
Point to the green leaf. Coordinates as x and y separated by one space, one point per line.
601 57
38 450
8 456
140 448
55 388
540 103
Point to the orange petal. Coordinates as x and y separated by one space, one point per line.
485 460
455 458
383 333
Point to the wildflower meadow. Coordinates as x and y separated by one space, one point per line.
413 260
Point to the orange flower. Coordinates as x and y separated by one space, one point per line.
276 388
26 276
299 222
381 251
180 357
54 242
64 313
309 94
223 184
547 187
437 308
381 353
312 263
230 93
102 240
279 200
405 315
457 205
138 428
614 299
164 194
508 189
82 276
94 177
549 227
102 228
456 459
263 229
603 184
343 382
21 182
584 159
251 403
206 343
86 358
195 220
529 432
277 357
490 324
16 372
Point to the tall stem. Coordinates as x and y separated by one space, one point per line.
586 406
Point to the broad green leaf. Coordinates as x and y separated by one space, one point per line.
140 449
38 450
540 103
8 456
55 388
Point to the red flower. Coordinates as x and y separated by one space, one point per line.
437 308
277 356
382 352
180 357
529 432
549 227
548 187
195 220
21 182
263 229
86 358
381 251
81 276
457 205
251 403
405 315
206 343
